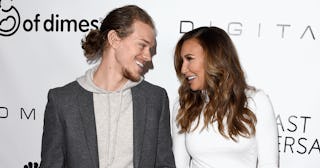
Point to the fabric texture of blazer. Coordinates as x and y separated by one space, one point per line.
69 137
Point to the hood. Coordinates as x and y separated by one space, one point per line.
86 81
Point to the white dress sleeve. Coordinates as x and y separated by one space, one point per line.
266 131
181 155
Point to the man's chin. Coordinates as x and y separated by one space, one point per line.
135 79
131 76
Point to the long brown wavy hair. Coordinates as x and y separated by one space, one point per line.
224 100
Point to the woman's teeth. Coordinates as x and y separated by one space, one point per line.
191 77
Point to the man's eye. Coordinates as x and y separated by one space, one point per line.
142 46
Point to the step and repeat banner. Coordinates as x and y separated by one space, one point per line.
278 43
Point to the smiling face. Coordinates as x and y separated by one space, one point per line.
134 51
192 68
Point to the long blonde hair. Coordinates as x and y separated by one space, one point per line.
225 87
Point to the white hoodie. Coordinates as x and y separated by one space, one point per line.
114 122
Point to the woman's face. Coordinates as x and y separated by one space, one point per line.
192 68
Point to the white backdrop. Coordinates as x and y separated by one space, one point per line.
278 43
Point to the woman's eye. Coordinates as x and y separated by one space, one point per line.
189 58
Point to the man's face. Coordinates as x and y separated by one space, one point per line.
134 51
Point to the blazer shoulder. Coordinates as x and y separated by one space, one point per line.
148 87
67 90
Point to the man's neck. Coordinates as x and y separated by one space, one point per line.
108 76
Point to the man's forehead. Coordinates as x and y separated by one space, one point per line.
143 28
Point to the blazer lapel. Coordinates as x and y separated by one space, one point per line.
139 116
85 104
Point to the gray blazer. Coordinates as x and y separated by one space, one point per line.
69 137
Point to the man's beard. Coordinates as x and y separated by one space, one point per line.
129 75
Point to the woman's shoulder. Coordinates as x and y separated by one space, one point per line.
257 94
258 99
176 106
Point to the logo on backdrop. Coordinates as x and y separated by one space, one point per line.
10 21
25 113
295 135
237 28
4 112
31 165
9 18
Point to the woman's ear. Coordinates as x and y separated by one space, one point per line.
113 38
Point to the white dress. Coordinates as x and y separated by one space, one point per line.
209 149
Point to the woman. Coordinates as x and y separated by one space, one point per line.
219 121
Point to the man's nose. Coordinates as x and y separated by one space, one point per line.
147 55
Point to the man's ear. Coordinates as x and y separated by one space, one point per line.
113 38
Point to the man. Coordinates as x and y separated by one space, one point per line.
111 117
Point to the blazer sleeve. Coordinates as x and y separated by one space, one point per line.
165 157
182 157
266 132
52 149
